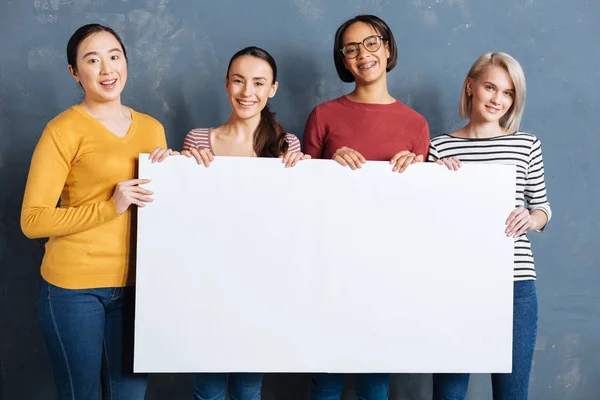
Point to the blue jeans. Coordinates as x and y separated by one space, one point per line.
368 386
241 386
89 335
512 386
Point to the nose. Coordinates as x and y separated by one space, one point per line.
105 67
247 89
496 98
362 51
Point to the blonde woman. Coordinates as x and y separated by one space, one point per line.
492 99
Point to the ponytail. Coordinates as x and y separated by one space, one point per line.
269 137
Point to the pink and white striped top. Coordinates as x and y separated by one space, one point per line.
199 138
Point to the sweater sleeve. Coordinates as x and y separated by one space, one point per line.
40 216
423 143
535 185
313 136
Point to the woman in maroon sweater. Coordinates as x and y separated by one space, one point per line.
366 124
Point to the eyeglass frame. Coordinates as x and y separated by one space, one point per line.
363 43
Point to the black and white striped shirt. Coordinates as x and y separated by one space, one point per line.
520 149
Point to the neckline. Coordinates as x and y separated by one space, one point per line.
367 106
483 139
126 137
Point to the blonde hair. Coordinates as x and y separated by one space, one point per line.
512 119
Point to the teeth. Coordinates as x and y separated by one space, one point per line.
246 103
108 83
369 65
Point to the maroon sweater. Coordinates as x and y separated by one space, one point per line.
377 131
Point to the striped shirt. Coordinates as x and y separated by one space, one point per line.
520 149
200 138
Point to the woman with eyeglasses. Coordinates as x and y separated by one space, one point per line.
366 124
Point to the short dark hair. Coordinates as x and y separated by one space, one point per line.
380 26
80 35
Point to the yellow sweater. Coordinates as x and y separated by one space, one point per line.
80 161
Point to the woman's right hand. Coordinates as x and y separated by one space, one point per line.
202 156
128 192
450 162
348 157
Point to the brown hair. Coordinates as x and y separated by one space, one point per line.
269 136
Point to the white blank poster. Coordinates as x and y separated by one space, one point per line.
250 266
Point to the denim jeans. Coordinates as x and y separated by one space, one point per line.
368 386
89 336
513 386
241 386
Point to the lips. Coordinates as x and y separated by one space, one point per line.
108 83
493 110
246 104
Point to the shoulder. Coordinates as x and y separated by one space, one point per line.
145 119
293 142
68 119
330 106
530 137
199 133
197 138
408 112
441 139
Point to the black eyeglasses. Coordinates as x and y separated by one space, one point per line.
371 43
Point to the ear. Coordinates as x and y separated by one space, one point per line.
469 86
344 60
388 53
273 90
73 72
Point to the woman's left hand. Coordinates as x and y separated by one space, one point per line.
402 160
519 221
291 158
159 154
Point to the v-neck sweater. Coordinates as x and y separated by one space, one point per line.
79 162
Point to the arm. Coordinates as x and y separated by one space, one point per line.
40 217
433 154
313 136
423 143
538 211
535 188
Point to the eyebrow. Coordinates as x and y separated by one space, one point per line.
494 85
95 53
256 78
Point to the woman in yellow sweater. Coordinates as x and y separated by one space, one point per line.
86 157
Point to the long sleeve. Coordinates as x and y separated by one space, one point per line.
40 216
535 185
433 154
423 146
313 140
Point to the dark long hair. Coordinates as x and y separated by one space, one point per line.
82 33
269 136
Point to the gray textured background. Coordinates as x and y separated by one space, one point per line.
179 51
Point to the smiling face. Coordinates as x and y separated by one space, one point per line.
493 94
249 85
101 67
368 67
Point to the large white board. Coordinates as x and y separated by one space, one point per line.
250 266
